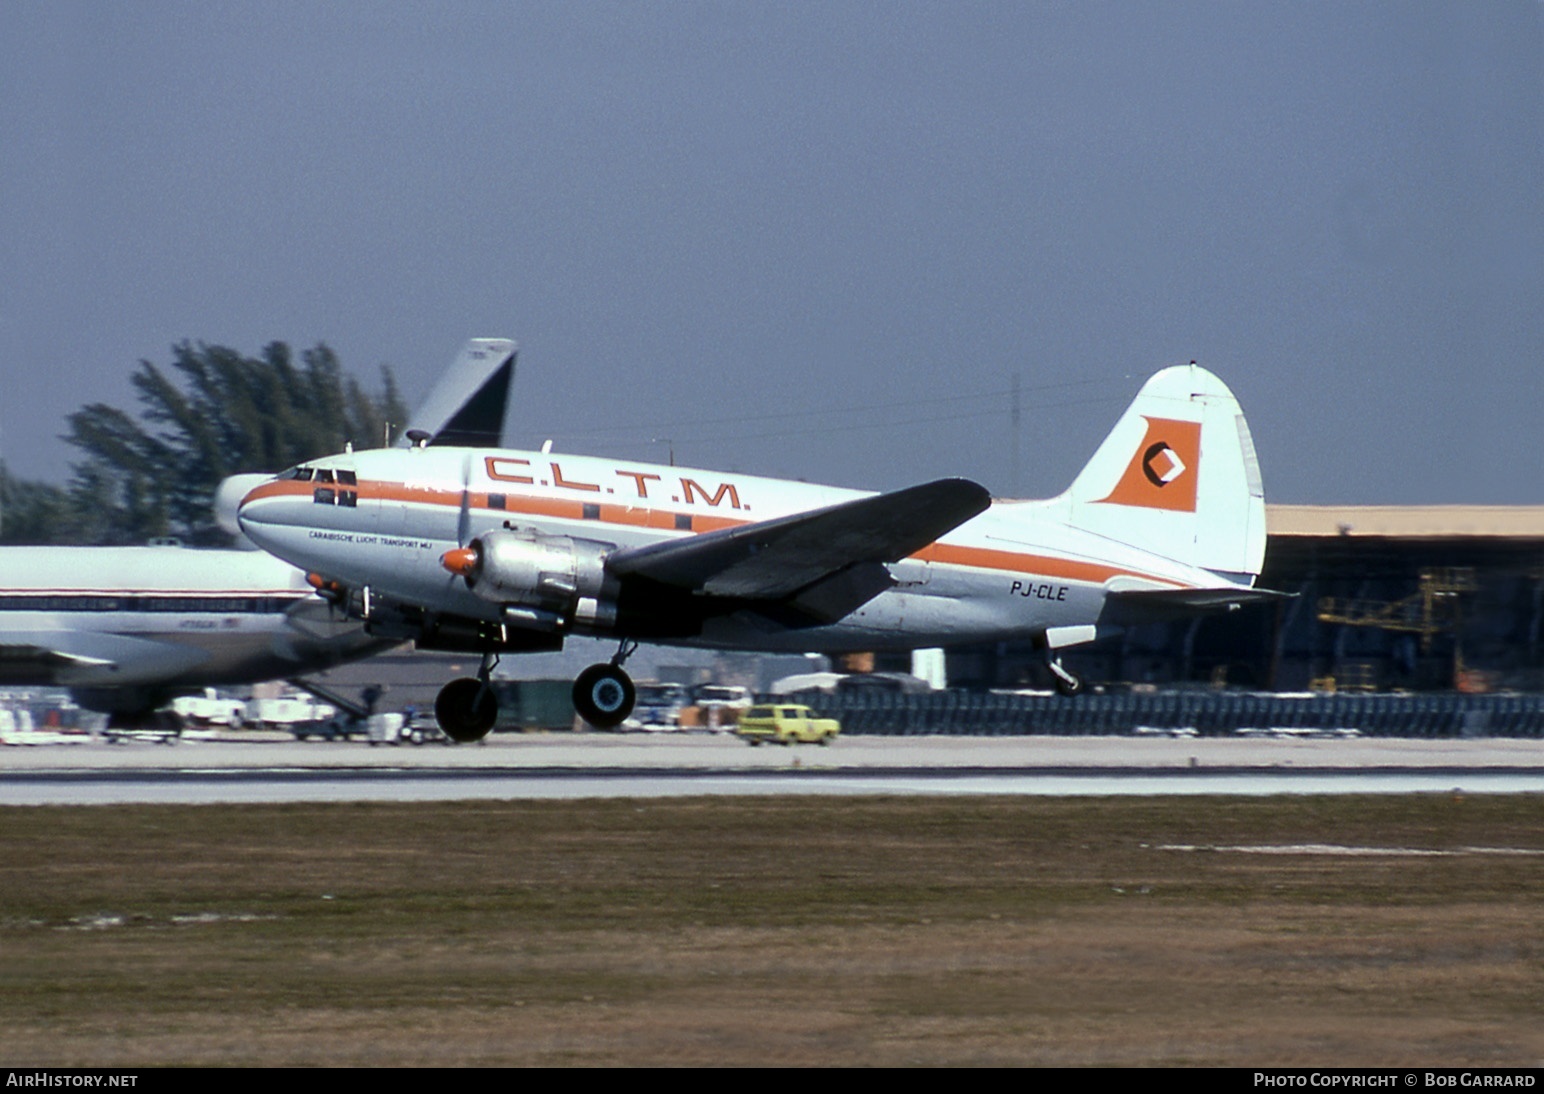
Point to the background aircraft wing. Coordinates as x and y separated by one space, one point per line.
32 664
841 548
75 657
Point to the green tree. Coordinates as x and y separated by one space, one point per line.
211 414
33 512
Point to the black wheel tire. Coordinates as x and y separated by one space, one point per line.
604 696
1068 688
466 710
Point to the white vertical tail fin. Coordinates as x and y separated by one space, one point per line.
468 403
1178 476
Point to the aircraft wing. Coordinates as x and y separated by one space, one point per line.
32 664
81 658
841 548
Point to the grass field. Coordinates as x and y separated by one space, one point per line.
778 930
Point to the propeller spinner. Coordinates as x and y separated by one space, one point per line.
461 561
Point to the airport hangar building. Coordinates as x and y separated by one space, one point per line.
1384 597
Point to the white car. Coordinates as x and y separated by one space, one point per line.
209 709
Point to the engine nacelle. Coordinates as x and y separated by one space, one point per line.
544 582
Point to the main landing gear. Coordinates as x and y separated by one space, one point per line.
467 708
604 695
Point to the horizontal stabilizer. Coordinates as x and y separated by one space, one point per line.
775 559
1136 606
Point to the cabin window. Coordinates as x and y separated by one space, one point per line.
683 522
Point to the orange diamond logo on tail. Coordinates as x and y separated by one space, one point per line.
1163 469
1161 464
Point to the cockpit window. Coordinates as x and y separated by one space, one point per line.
323 475
301 474
348 478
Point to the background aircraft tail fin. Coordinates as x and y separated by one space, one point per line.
1178 476
467 405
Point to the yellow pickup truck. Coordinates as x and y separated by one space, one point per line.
786 724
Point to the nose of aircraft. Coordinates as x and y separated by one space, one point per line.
265 507
228 497
297 520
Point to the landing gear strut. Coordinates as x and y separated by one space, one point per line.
1067 682
467 708
604 694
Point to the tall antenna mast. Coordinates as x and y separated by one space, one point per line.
1018 487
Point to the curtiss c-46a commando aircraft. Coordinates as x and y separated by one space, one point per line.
506 551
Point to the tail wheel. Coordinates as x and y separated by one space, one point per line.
604 696
466 710
1067 682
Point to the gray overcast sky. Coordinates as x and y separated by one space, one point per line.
814 240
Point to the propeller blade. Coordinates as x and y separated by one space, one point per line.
464 520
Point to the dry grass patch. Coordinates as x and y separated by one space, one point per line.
794 930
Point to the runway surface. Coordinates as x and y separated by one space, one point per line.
267 768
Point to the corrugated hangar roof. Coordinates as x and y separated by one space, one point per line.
1407 521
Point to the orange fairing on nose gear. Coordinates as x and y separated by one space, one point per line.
459 561
1162 473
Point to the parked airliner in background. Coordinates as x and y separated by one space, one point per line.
127 629
507 551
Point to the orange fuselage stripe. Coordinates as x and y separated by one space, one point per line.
976 558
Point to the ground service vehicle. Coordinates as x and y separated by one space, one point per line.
786 724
